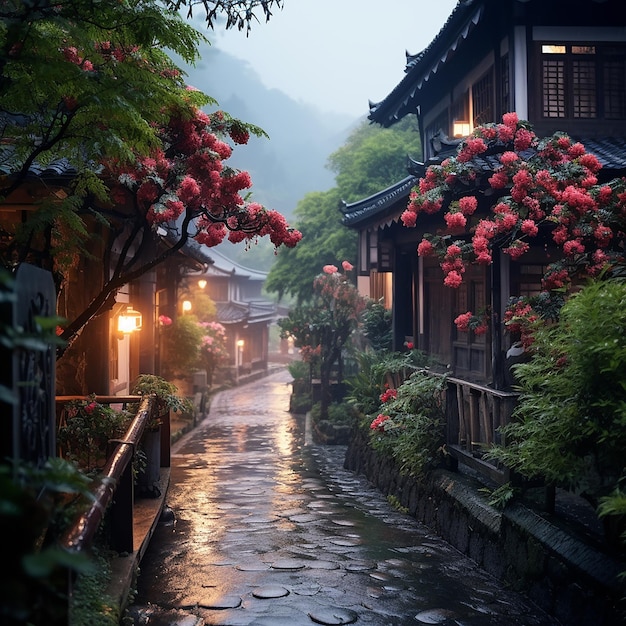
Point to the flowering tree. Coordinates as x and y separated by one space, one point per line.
322 329
88 90
185 189
540 187
213 350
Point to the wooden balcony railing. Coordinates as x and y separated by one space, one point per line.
113 491
474 415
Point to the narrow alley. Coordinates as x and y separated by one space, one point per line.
264 527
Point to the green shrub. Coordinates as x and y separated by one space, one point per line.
299 370
376 324
376 369
570 424
182 347
85 430
410 426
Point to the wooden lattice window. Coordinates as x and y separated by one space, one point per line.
614 73
584 89
553 73
482 100
583 81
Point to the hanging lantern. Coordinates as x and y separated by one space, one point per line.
129 321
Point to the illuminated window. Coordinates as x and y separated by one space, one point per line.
583 81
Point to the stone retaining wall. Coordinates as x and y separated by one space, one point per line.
568 577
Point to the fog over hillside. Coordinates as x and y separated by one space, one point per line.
292 162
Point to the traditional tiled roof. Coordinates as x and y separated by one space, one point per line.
59 171
231 312
424 66
249 312
381 204
610 151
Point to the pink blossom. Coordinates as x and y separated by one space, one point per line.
505 133
188 190
463 320
347 266
468 205
573 247
330 269
523 139
456 221
484 257
453 279
600 257
509 157
603 235
379 422
499 180
510 119
409 218
516 249
529 228
425 248
507 222
164 320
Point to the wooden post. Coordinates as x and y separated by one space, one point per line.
166 440
121 512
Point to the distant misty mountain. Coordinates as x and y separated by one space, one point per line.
292 162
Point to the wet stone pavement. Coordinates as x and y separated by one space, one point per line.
265 528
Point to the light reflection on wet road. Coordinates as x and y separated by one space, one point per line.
270 530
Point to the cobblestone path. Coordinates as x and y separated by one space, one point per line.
265 528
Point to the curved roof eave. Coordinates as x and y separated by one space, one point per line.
378 205
421 67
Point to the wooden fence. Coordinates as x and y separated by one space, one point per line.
474 415
113 491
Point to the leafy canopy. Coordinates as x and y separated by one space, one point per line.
88 90
371 159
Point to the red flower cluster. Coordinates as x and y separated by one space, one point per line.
188 177
379 423
548 185
388 394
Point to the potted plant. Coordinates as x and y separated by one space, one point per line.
168 400
167 395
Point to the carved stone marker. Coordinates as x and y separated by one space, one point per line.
28 426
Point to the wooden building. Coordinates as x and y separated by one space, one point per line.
562 69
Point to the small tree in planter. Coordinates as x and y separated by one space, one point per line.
181 342
213 350
323 328
167 395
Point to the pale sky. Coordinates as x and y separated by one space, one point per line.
337 54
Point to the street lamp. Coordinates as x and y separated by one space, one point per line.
202 283
186 306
